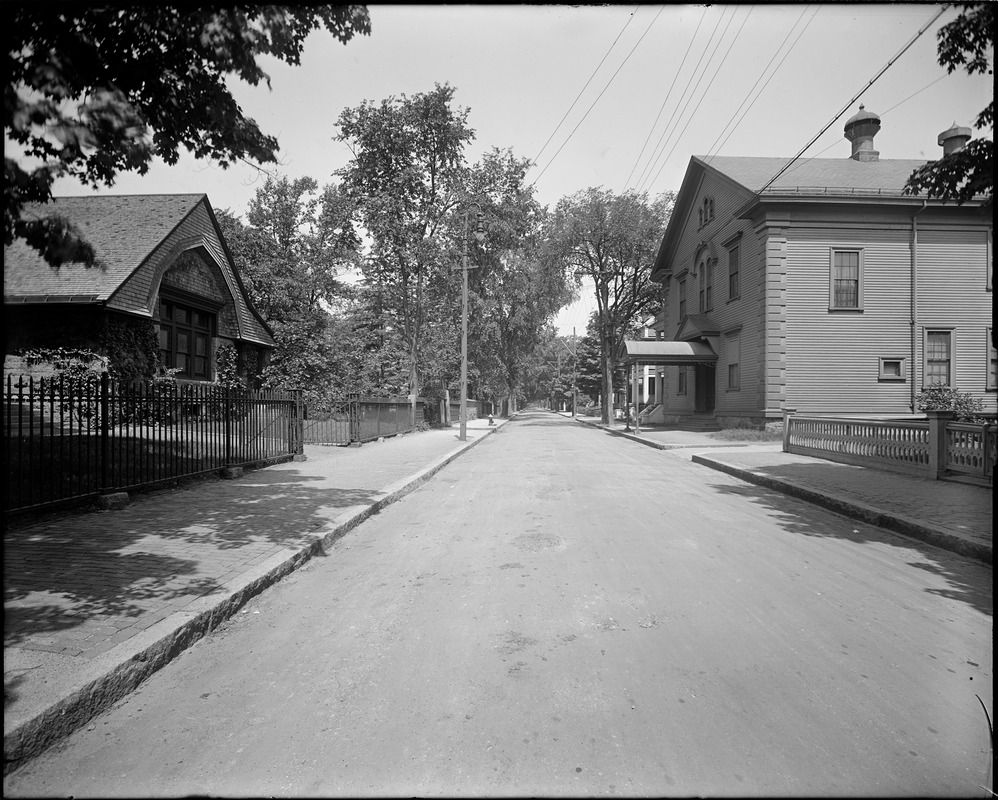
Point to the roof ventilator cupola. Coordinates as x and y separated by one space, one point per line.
860 130
953 140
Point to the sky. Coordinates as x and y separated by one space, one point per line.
612 96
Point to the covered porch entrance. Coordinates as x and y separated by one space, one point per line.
638 353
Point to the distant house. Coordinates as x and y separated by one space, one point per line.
824 290
165 289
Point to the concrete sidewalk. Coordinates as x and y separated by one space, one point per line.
953 516
96 602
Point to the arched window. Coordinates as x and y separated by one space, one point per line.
706 212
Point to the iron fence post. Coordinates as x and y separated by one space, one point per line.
228 426
299 423
105 443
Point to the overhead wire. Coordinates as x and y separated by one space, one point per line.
591 107
606 55
699 102
712 150
859 94
659 146
668 94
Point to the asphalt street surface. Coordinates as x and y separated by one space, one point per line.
561 612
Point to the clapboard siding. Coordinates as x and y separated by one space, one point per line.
794 350
728 314
833 356
952 293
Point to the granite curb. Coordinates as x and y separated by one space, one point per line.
856 510
634 437
123 669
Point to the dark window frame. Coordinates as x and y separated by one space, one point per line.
181 315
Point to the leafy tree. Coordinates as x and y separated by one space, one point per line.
513 296
406 169
552 370
611 240
94 91
297 243
968 42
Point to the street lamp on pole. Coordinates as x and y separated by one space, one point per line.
480 237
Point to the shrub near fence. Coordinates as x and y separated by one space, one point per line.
73 439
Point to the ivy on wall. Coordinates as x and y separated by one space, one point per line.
227 367
132 348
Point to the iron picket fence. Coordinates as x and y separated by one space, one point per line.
73 439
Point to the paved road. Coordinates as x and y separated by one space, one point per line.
563 613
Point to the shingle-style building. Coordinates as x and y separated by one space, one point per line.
161 259
826 290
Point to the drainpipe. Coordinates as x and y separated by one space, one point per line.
913 371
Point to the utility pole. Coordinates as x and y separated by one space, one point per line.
480 236
575 371
574 353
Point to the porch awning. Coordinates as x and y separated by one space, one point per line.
662 353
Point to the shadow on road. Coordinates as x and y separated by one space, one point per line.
968 581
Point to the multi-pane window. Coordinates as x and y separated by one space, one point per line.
733 267
682 299
185 339
847 279
938 357
681 385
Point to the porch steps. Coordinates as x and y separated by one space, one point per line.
699 424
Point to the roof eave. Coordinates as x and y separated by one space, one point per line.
750 208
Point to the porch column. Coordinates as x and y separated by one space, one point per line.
636 397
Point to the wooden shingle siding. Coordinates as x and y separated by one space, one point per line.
138 295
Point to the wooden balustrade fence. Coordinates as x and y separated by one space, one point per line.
935 448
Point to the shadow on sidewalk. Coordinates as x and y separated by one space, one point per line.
103 570
968 581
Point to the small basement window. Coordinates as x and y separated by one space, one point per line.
893 369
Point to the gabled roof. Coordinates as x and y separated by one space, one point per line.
807 179
123 229
695 326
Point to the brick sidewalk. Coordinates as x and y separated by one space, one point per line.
959 509
955 516
87 592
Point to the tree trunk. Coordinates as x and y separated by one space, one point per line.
606 401
413 386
